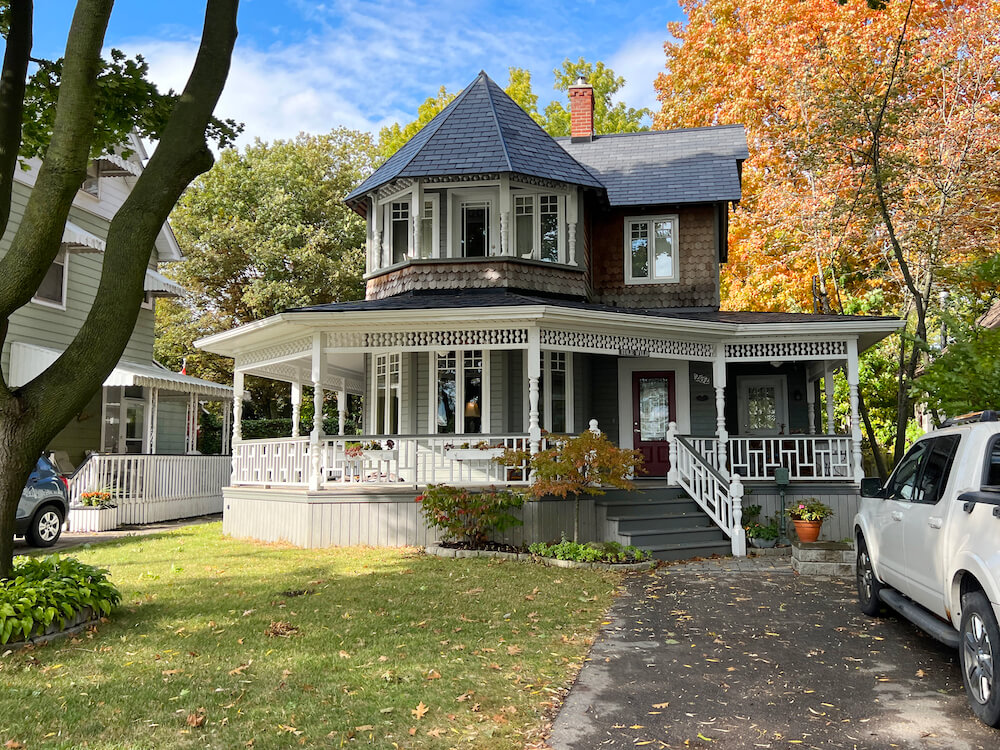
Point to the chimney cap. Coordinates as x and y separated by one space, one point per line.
581 82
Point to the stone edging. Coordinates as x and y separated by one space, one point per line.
438 551
83 620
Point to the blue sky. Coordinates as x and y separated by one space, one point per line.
312 66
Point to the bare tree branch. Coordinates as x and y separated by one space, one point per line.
12 83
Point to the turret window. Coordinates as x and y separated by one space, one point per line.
536 227
475 229
400 228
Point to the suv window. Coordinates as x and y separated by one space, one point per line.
937 469
903 484
991 475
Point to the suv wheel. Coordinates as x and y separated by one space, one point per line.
980 642
45 527
868 584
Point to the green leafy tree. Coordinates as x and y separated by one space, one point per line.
609 116
966 376
79 90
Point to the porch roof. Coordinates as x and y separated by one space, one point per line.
456 308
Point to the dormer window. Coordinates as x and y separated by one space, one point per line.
651 249
536 227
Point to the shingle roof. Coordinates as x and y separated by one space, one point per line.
481 131
694 165
507 298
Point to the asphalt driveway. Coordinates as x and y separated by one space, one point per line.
692 657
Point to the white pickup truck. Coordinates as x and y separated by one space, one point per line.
928 545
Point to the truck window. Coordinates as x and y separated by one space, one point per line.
937 469
903 485
991 476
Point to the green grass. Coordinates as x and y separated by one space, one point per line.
484 645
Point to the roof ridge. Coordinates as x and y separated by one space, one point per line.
598 136
496 119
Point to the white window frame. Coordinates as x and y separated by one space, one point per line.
458 197
652 278
390 225
545 383
536 225
484 411
64 252
780 383
391 359
434 200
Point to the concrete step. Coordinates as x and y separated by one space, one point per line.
640 494
663 522
687 550
652 509
653 539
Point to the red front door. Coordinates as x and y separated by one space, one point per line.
652 412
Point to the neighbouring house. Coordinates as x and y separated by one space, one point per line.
138 435
519 284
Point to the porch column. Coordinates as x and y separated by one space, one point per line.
341 410
572 217
227 421
811 404
534 373
316 436
830 412
416 214
237 419
719 381
505 245
852 382
296 408
192 424
152 407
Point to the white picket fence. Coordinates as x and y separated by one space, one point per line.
151 488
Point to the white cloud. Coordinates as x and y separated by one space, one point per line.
639 60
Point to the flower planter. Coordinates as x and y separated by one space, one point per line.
473 454
384 454
807 531
89 519
762 543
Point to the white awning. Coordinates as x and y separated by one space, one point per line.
115 165
28 360
79 240
159 285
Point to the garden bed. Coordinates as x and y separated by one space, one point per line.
439 550
83 620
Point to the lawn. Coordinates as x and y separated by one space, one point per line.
227 644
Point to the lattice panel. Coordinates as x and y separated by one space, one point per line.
786 350
634 345
286 349
423 339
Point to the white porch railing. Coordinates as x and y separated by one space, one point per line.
149 488
411 459
808 458
719 496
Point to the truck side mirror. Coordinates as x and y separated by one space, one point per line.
871 487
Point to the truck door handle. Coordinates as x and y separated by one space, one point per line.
934 522
897 515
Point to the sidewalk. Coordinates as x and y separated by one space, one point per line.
68 540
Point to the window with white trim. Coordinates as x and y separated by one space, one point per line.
474 226
92 182
52 290
537 227
555 392
651 249
399 230
387 393
429 228
461 387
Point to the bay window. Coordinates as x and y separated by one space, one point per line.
537 227
651 249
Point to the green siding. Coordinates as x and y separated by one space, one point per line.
82 434
603 395
497 383
170 424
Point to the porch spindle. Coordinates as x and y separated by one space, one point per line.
811 403
296 408
316 439
828 387
852 382
227 425
237 421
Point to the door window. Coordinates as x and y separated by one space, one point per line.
763 406
654 408
937 469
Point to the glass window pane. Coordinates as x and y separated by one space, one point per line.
639 238
993 464
472 374
904 481
937 469
524 225
446 392
51 288
558 400
664 249
654 408
475 229
762 407
549 218
427 230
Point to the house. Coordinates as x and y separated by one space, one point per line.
138 435
518 284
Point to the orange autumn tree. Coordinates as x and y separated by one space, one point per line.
874 137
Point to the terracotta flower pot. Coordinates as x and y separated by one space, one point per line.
807 531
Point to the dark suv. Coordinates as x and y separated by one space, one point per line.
43 506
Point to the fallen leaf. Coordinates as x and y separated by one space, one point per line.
420 711
433 675
195 720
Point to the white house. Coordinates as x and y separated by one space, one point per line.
518 284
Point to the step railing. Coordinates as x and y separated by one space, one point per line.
719 496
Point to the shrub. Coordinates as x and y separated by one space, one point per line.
607 552
470 516
767 532
49 589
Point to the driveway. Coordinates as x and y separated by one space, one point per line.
67 540
694 655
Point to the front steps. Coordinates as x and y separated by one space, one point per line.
662 520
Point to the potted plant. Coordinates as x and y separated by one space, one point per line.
763 535
379 450
481 451
96 512
808 515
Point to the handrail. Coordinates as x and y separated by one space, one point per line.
711 469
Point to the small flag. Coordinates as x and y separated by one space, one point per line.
184 366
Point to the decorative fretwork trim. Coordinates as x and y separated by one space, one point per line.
786 350
423 339
626 345
286 349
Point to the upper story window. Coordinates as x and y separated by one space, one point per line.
399 230
474 219
536 227
429 231
92 183
651 249
52 290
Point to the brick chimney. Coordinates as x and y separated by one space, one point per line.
581 111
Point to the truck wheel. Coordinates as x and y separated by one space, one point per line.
868 584
980 641
45 527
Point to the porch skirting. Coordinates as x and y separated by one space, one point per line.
843 499
377 517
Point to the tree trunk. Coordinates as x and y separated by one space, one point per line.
883 472
19 450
